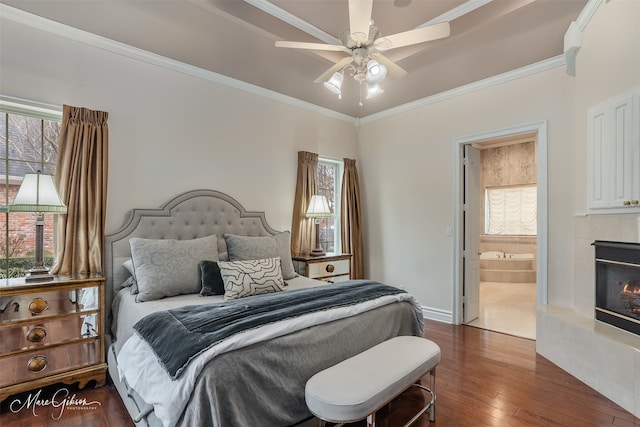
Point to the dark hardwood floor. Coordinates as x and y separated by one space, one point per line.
484 379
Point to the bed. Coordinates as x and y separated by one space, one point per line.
253 377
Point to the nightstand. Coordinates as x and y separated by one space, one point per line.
51 332
329 268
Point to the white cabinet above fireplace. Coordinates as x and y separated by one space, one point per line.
613 172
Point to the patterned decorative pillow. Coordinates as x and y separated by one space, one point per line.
168 267
242 248
251 277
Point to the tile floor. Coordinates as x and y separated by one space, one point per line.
509 308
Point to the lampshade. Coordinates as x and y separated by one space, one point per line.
373 90
334 83
37 193
376 72
318 207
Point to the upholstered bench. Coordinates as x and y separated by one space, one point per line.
357 387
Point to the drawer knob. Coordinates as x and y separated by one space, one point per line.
37 364
38 305
36 334
330 268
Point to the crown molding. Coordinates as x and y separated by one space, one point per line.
538 67
103 43
587 13
43 24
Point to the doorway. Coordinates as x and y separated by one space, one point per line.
468 224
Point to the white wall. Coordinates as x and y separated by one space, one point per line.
607 65
408 177
171 132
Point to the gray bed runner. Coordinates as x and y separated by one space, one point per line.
178 335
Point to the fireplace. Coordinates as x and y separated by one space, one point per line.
618 284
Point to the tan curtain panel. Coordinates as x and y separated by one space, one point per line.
350 218
302 228
81 177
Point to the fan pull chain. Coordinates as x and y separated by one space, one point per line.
360 93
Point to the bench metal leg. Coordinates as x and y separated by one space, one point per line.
431 406
371 420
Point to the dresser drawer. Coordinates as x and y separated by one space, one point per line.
39 305
29 336
335 279
328 268
47 361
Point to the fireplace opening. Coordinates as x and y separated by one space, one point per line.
618 284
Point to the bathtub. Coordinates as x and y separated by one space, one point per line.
504 255
491 255
498 266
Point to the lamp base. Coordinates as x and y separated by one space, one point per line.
38 275
317 252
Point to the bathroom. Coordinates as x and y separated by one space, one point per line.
508 239
508 181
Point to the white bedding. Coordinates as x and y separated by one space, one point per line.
137 364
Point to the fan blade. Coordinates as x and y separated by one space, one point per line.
337 66
407 38
313 46
393 70
360 19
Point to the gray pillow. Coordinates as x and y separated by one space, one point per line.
252 277
131 281
169 267
242 248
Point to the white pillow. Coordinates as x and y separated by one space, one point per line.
251 277
168 267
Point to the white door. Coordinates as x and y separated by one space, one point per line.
471 217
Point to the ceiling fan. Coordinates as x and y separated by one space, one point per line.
363 43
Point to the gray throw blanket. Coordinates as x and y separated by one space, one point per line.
178 335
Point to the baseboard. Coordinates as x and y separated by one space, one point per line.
438 315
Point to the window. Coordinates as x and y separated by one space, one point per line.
329 180
511 210
28 143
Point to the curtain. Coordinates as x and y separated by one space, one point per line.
302 228
511 210
350 218
81 178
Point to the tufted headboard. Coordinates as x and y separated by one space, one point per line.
190 215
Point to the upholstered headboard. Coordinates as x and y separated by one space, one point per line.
190 215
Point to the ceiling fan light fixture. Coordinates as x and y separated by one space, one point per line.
373 90
376 72
334 84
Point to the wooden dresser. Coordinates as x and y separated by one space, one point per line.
330 268
51 332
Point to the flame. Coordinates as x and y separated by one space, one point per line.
633 290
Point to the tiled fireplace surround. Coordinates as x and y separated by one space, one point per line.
602 356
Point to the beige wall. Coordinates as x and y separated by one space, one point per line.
506 166
171 132
408 177
408 165
607 64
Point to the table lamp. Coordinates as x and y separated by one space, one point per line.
318 208
38 194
